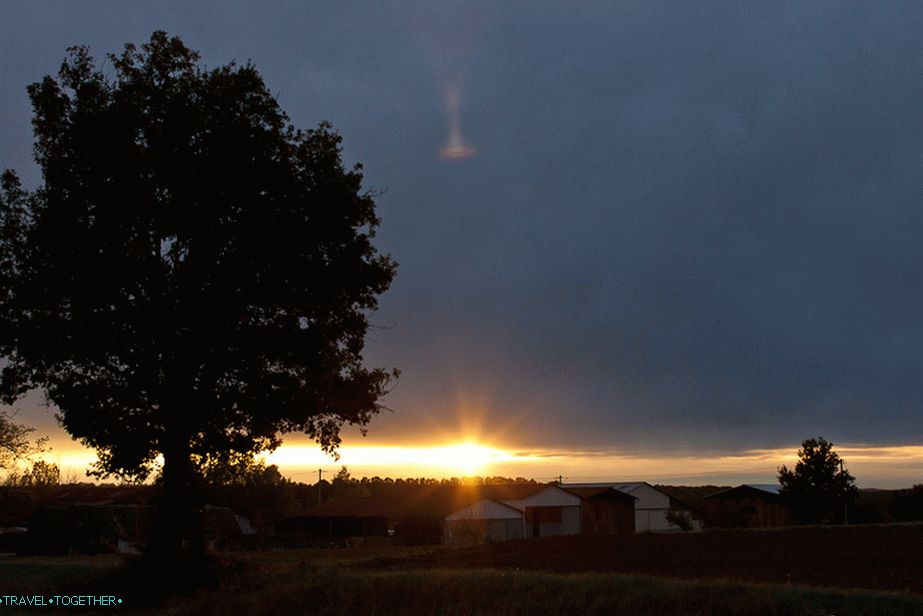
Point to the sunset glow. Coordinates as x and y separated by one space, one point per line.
879 467
458 458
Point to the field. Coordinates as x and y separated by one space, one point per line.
811 571
868 557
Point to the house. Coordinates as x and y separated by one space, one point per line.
749 505
652 506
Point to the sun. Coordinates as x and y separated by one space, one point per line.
453 458
469 458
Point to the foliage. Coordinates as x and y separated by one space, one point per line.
240 470
15 443
907 505
679 519
250 488
41 475
343 484
193 277
818 487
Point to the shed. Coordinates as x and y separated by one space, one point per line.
486 520
652 505
749 505
605 510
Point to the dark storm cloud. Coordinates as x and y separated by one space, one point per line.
687 225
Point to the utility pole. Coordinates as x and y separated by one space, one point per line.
320 473
845 503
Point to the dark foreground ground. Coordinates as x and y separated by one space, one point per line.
859 571
870 557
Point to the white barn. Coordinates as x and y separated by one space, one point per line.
651 506
486 520
515 512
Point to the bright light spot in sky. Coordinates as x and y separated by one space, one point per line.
468 457
455 147
458 457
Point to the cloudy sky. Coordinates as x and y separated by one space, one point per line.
629 229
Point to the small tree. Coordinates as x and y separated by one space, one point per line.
818 487
42 475
679 519
15 442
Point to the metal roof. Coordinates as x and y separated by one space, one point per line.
601 492
749 490
772 488
621 486
423 501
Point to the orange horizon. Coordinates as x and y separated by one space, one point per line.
895 466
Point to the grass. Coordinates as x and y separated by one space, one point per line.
333 591
40 574
327 583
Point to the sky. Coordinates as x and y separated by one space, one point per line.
637 240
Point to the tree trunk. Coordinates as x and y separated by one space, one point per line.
178 533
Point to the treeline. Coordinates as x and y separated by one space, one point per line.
871 506
343 484
882 506
261 494
249 487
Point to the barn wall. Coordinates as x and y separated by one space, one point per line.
552 521
607 516
570 520
467 531
748 513
650 498
655 520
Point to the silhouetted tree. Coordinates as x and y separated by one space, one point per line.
818 487
15 442
908 505
240 470
41 475
194 276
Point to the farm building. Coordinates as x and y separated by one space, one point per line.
485 521
462 514
96 529
749 506
515 511
89 529
410 514
605 511
652 506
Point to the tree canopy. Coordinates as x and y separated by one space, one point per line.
818 486
194 275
